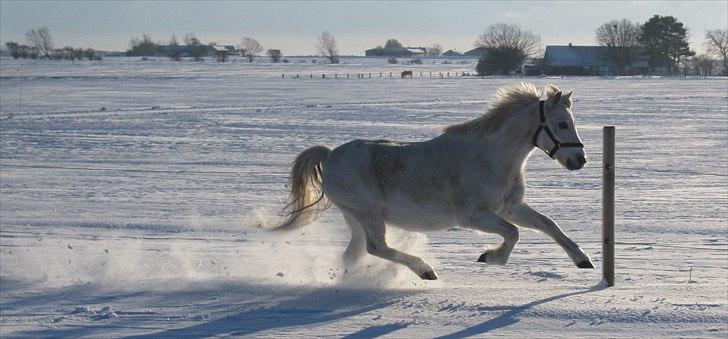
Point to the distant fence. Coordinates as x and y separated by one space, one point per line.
370 75
458 74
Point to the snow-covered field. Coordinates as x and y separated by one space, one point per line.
132 195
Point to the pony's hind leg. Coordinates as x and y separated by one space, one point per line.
492 223
357 244
376 244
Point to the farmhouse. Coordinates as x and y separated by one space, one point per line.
586 60
452 53
185 50
396 52
475 52
222 52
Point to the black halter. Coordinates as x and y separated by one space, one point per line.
544 127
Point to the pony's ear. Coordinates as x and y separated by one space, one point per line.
555 100
551 89
567 99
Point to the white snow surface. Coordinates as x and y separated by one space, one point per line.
134 198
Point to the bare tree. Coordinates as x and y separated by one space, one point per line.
327 47
14 49
196 49
392 43
275 55
41 40
174 53
435 49
702 65
716 42
142 47
506 48
250 48
620 38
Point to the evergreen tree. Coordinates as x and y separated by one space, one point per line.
666 40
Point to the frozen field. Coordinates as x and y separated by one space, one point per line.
131 195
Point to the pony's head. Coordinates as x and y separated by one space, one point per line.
557 134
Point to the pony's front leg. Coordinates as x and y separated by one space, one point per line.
491 223
525 216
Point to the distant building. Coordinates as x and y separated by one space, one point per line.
586 60
452 53
416 51
222 52
531 67
475 52
222 48
401 52
165 50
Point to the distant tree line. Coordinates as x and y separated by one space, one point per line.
40 45
192 47
665 42
505 48
663 39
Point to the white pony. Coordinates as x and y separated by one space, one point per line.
472 175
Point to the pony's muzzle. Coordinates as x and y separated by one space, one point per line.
582 159
577 164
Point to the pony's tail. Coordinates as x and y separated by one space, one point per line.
307 198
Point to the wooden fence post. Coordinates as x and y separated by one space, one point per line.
608 205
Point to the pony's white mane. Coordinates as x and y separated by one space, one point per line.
507 101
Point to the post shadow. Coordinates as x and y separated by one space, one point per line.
511 317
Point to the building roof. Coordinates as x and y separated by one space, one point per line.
585 56
452 52
396 51
575 56
415 50
478 51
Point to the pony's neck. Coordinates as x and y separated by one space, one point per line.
513 138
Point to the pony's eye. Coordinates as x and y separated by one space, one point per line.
563 125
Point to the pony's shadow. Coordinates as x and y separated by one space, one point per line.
511 317
320 306
308 307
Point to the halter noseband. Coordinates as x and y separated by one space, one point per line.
544 127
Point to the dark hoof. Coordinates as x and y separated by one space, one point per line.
482 257
585 264
429 275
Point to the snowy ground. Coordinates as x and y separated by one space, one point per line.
142 218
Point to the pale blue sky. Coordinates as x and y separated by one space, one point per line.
293 26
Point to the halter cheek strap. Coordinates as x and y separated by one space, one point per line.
544 127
